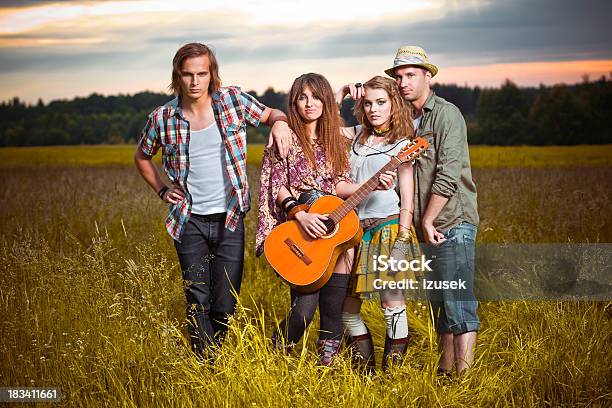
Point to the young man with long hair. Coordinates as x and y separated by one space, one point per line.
202 135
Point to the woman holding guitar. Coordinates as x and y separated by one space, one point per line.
386 216
317 164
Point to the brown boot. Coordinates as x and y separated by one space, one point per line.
395 350
362 351
328 349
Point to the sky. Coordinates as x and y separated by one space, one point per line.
62 49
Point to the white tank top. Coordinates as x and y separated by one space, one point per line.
365 162
207 180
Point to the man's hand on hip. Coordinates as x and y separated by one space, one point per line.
174 195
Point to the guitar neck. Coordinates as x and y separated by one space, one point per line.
363 191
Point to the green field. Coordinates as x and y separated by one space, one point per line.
92 297
481 156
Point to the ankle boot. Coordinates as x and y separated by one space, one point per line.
395 350
362 352
327 350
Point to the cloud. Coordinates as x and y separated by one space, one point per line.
500 32
459 34
66 46
43 62
189 37
32 3
510 31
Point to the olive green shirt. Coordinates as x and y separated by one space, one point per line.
445 170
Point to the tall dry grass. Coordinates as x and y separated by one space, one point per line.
92 302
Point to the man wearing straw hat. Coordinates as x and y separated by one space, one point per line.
445 209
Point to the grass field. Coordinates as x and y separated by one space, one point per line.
92 301
481 156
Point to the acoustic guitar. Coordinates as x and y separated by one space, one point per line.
306 263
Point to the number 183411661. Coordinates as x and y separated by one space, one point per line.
30 394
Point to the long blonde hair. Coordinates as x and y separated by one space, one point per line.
401 126
328 125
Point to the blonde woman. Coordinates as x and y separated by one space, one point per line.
386 216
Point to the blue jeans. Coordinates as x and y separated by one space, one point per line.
454 310
211 259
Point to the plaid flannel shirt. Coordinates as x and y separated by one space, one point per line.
167 128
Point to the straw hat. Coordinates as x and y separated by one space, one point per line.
411 55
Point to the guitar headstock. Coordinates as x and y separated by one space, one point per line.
413 150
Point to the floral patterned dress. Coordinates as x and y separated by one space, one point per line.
297 175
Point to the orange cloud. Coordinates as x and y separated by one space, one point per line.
526 74
47 41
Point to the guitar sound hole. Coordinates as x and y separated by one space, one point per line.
329 225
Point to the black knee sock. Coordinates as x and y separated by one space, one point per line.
303 308
331 301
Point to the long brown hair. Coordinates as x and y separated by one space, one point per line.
328 125
193 50
401 126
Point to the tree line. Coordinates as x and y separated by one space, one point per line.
508 115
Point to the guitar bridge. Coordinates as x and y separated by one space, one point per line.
297 251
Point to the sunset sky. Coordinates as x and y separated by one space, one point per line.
62 49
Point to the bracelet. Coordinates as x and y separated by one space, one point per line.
406 209
296 209
290 206
286 200
162 192
403 244
403 236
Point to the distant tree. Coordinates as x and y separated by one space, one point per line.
276 100
13 136
578 113
573 114
465 98
474 133
346 111
555 117
502 115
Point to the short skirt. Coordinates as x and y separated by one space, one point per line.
376 246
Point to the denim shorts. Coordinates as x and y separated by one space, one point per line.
454 310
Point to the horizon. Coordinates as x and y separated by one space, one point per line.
59 50
259 93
